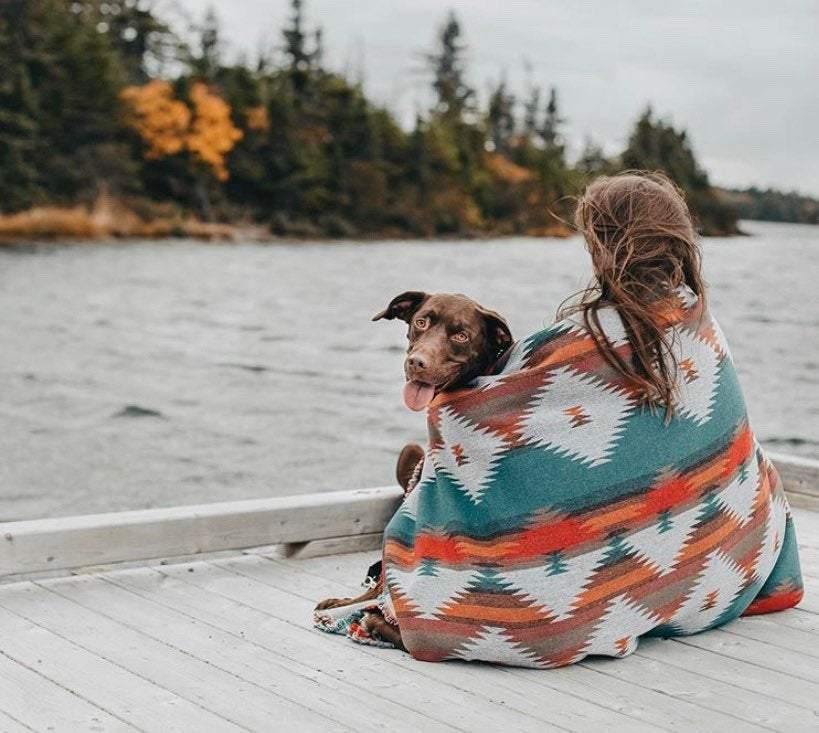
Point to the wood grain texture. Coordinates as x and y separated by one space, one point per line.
71 542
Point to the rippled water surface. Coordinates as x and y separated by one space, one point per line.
151 374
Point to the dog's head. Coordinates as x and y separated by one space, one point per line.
452 339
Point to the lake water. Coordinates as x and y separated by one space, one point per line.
151 374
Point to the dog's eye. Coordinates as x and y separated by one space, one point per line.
461 337
421 323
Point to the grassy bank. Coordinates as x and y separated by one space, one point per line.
110 218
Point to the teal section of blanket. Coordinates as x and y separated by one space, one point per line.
787 573
535 479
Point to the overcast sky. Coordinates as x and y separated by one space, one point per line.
740 75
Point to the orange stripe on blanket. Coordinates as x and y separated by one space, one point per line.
541 540
439 548
632 510
738 451
495 613
616 585
708 542
396 551
669 494
776 602
474 551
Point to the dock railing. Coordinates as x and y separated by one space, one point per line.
321 523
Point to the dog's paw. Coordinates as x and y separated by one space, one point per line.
379 628
332 603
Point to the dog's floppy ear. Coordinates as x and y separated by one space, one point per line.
402 306
497 330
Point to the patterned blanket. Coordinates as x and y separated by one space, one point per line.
557 517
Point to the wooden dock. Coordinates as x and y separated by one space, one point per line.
224 641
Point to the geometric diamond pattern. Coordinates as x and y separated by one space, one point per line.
428 588
468 454
739 497
554 593
576 415
660 543
719 582
492 644
616 634
698 377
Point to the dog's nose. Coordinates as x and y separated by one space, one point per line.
416 361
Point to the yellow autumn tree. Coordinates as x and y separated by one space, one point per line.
212 134
169 126
161 120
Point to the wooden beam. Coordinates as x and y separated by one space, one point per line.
62 543
38 545
801 478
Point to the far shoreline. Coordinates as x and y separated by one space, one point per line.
110 222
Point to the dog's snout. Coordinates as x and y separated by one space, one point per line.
416 361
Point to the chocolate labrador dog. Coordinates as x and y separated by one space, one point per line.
452 339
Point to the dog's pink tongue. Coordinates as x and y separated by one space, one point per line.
418 395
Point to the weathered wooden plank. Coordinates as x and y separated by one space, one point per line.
293 644
767 656
722 700
809 558
482 696
347 700
10 725
807 527
768 629
800 477
42 704
798 618
70 542
342 568
118 692
211 689
675 653
332 546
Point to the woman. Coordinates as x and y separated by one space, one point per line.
603 484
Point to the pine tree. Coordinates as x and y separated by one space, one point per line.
303 60
454 96
531 112
296 39
500 119
206 61
550 129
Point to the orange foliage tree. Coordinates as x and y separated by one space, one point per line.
169 126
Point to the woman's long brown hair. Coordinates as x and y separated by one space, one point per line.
643 246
